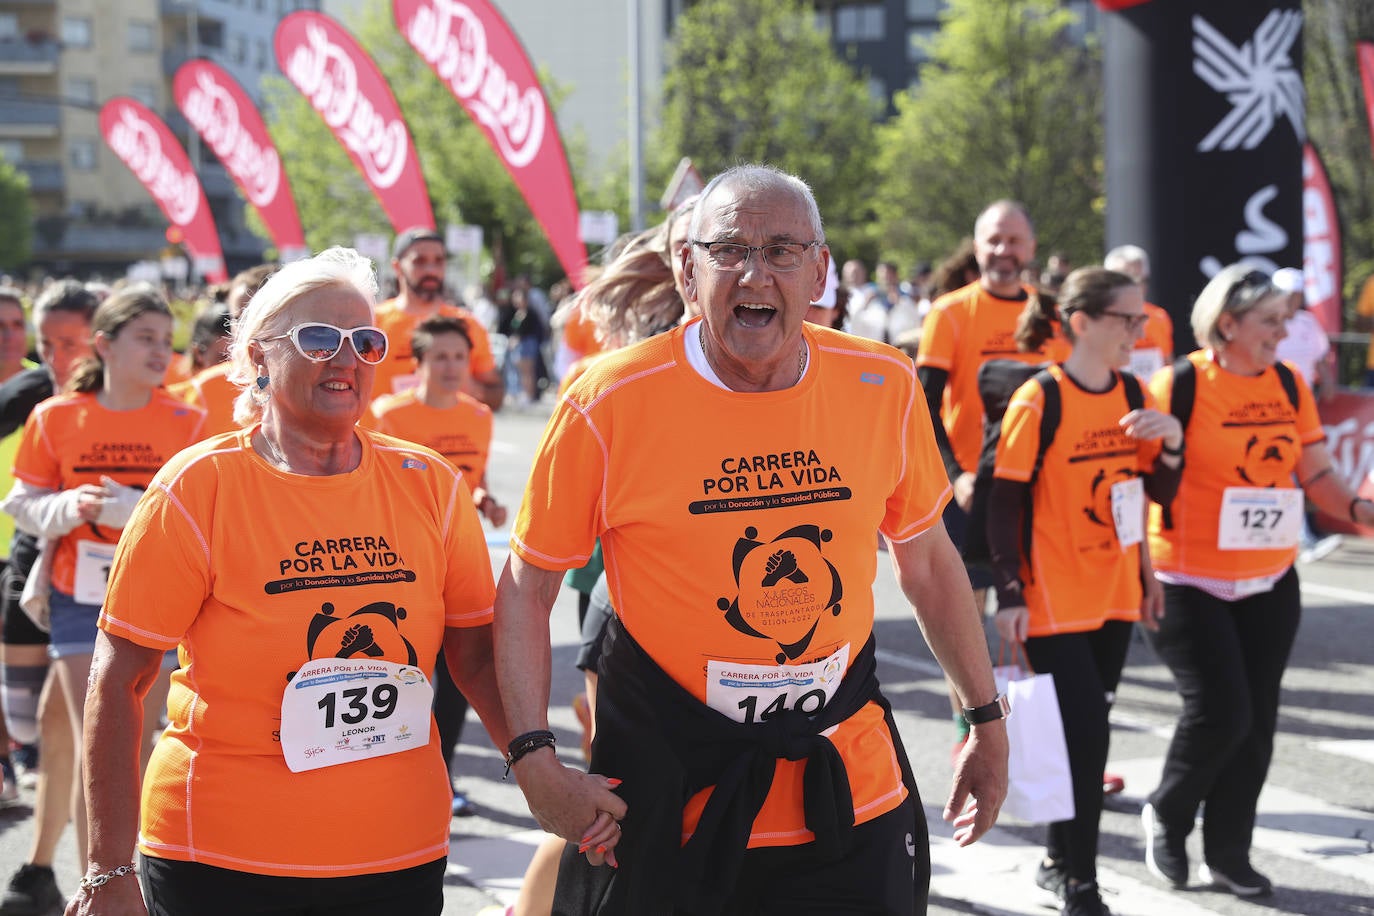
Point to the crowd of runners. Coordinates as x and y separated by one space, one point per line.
262 563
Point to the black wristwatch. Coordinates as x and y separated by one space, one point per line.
999 708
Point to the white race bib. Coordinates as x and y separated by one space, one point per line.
1146 362
339 710
1260 518
93 562
1128 511
755 693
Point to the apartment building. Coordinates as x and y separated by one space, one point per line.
61 60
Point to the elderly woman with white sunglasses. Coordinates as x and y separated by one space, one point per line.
308 572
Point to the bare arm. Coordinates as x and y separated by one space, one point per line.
121 673
1325 487
469 653
932 577
489 388
577 806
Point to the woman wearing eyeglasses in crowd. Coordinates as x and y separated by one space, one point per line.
1224 549
83 461
308 571
1072 590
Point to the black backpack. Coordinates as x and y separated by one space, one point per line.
998 380
1184 393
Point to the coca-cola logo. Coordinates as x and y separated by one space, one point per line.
213 111
328 77
452 39
137 142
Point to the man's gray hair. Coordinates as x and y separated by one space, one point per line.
1123 256
755 177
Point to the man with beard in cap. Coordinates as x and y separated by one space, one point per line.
418 257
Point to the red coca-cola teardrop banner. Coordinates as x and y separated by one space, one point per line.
475 53
1322 272
325 63
147 146
226 118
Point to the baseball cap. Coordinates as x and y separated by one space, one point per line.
1288 280
411 236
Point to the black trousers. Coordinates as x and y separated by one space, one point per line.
172 888
450 712
1087 669
1227 658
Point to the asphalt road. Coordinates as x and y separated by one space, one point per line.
1316 826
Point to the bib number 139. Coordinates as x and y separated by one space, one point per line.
359 705
338 711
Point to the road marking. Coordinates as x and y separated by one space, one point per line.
1291 824
1339 594
911 664
1359 750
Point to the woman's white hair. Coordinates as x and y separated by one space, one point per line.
268 314
1217 298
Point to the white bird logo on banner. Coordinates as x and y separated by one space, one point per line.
1258 79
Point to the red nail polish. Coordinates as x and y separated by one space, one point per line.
601 850
614 782
584 847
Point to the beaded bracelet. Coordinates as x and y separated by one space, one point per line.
524 744
90 881
1353 503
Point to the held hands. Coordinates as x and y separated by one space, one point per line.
980 782
1153 424
1013 623
580 807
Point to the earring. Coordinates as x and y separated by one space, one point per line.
262 382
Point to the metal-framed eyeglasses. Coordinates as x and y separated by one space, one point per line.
776 255
320 342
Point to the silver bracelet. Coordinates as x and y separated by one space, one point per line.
98 880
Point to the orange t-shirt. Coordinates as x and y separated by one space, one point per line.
178 369
738 528
1243 433
211 391
1364 307
396 373
461 433
579 334
253 572
71 439
1080 576
965 329
1155 349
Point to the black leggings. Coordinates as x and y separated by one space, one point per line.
172 888
1087 669
450 712
1227 658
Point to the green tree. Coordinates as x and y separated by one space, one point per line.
467 181
1008 106
1338 122
16 229
757 81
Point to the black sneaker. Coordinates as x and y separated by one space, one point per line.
1243 881
32 892
1165 856
1052 877
1084 900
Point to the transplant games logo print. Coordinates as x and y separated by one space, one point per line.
784 587
1258 79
